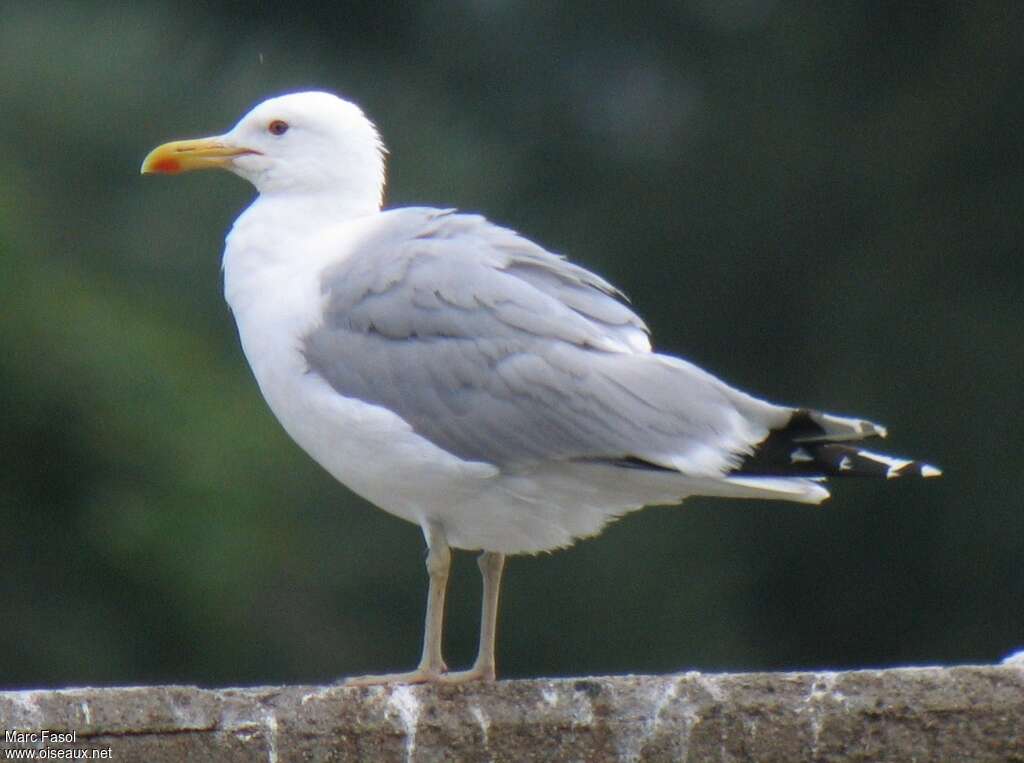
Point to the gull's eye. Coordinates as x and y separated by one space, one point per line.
277 127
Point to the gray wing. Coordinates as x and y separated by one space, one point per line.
499 351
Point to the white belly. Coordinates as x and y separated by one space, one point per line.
368 448
377 454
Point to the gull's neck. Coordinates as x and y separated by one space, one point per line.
263 230
295 212
284 233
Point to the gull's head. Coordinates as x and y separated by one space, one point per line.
302 143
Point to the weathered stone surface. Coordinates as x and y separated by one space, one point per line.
921 714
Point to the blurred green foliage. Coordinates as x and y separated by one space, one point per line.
820 202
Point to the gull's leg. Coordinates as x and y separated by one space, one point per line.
431 667
491 566
439 562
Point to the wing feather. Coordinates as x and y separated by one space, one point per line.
499 351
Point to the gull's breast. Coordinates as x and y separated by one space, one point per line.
276 303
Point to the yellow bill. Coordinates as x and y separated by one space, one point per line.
186 155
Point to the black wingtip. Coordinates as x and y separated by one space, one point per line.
805 448
843 460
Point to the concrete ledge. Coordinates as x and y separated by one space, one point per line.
921 714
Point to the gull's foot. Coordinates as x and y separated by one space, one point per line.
425 676
418 676
475 673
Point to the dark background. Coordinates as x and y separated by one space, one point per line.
820 202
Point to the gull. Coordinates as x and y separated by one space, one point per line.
464 378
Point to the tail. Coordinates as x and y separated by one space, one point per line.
814 445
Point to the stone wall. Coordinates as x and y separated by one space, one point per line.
920 714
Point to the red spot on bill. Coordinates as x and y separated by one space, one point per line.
167 166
